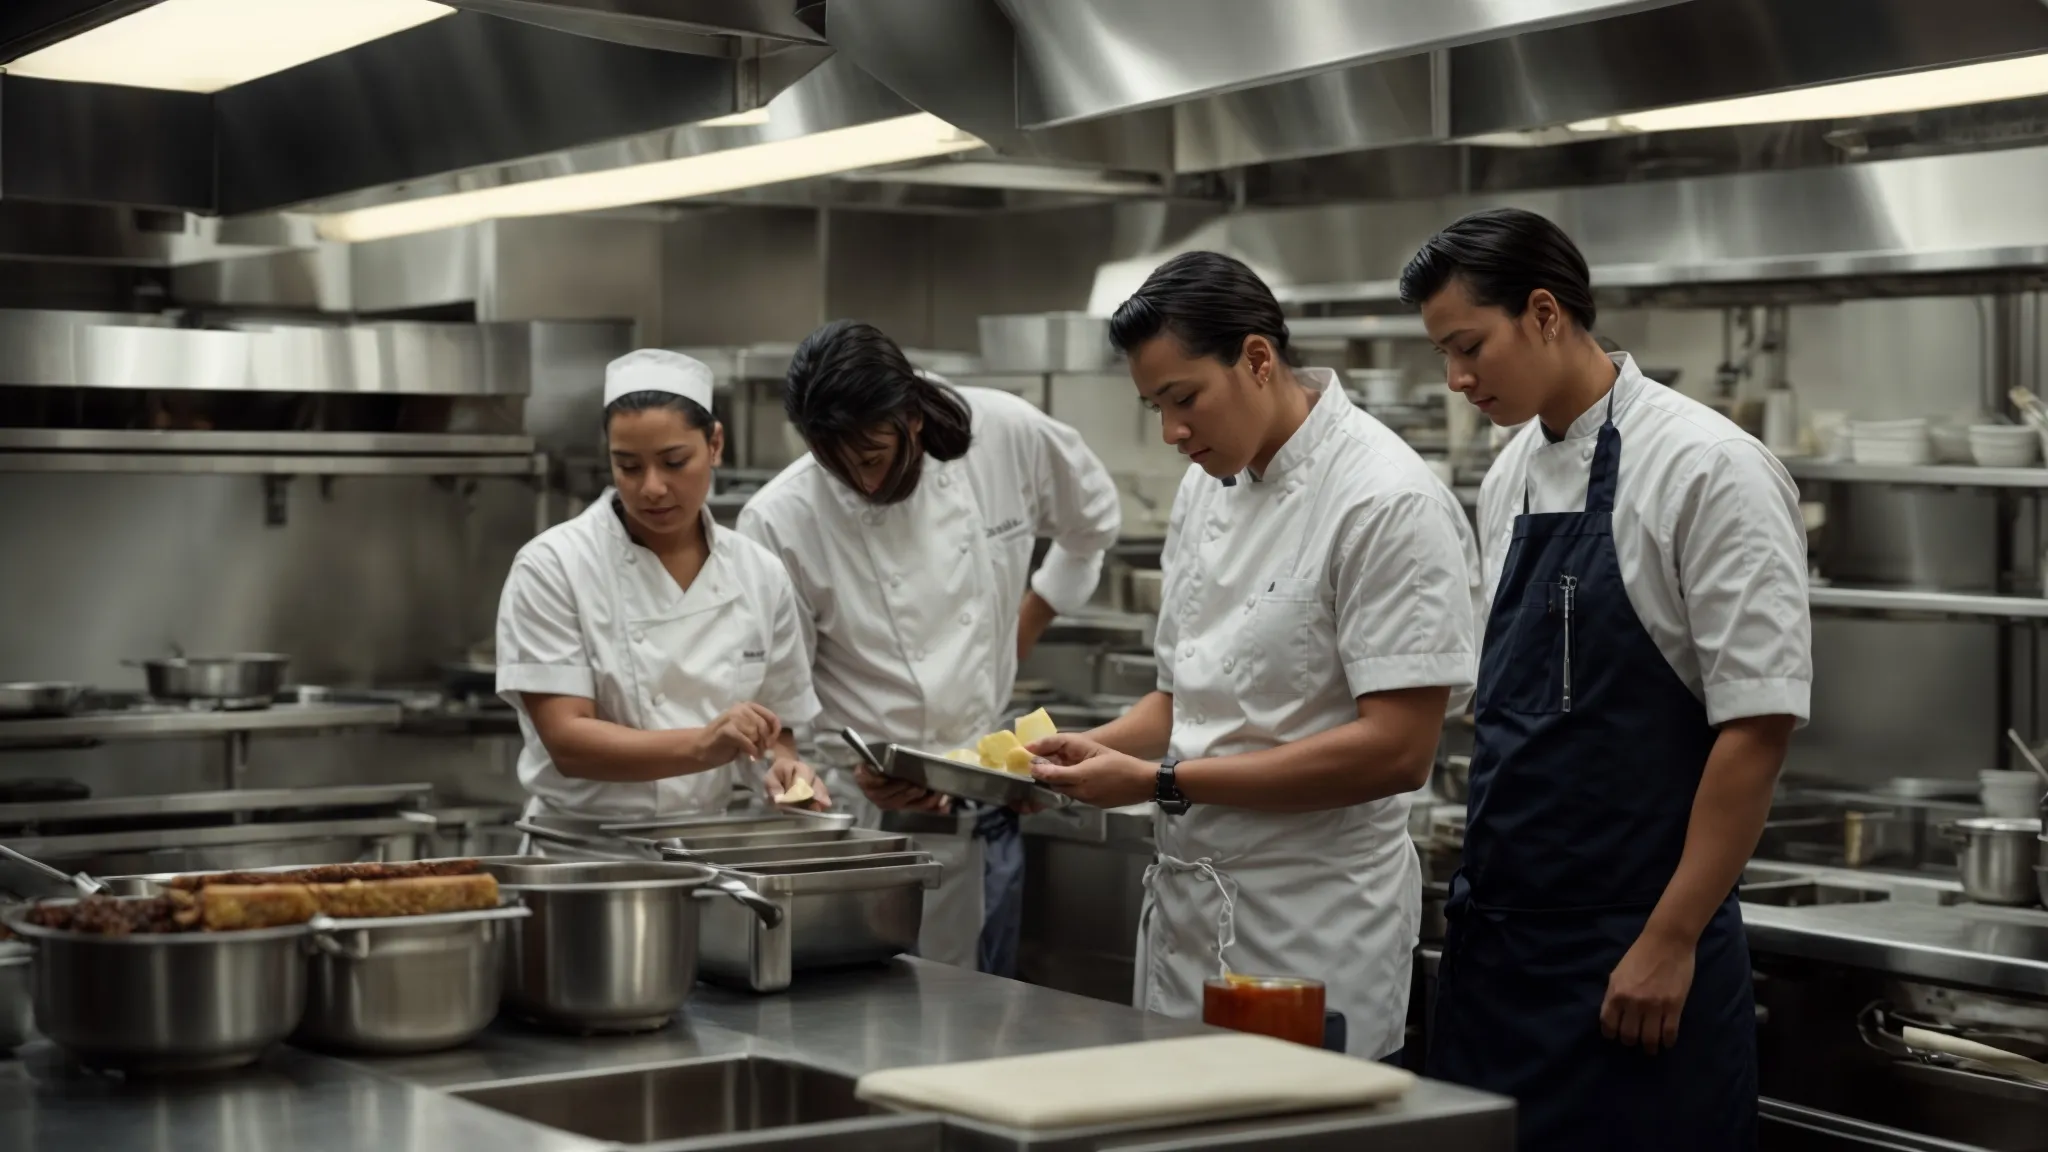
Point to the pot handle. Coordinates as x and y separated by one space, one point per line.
764 909
322 938
1952 832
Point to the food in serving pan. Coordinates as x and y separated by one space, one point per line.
800 792
227 901
1008 751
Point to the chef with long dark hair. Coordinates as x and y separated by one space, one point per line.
1646 658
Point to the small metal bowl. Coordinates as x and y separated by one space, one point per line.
40 698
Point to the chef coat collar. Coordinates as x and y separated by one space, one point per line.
1628 381
612 517
1331 404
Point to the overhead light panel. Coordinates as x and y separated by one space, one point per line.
751 118
915 137
1019 178
208 45
1878 96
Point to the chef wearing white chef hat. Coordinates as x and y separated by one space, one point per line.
649 653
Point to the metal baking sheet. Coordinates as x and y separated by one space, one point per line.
216 803
966 781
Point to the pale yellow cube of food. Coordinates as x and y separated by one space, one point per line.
799 792
965 756
1019 761
995 748
1035 727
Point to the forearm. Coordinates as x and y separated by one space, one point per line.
1032 620
1728 814
586 748
1144 731
1388 750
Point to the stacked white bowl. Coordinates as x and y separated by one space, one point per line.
2005 445
1889 442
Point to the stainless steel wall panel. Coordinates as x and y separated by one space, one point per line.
104 143
1372 106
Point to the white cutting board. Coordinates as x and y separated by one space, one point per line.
1183 1081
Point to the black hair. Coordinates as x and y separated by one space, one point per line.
1502 255
692 412
847 381
1209 302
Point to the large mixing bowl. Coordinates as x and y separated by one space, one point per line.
178 1002
403 983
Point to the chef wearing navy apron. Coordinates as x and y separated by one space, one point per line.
1645 659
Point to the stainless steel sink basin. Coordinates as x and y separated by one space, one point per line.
677 1101
1806 893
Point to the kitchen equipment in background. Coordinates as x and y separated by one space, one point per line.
1452 779
835 913
27 698
2041 875
165 1002
1830 427
1126 674
31 879
2032 761
1898 442
611 946
1147 589
2004 445
41 790
1998 856
1377 387
241 680
1949 442
403 983
1283 1007
1781 422
17 1011
1927 788
1046 342
2015 795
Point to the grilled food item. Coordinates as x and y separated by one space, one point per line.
411 896
331 874
111 916
232 901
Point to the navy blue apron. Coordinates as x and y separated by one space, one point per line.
1588 752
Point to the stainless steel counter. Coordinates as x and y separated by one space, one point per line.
908 1012
2001 950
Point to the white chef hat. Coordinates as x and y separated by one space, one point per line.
658 370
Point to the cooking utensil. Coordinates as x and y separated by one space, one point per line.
403 983
31 879
611 946
1972 1052
241 680
966 781
168 1002
40 698
16 996
1997 855
861 748
2027 753
858 910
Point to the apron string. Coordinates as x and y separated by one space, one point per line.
1226 918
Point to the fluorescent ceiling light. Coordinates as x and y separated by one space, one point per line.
1878 96
914 137
751 118
1019 177
208 45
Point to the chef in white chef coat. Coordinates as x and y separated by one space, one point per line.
909 530
1646 659
1317 624
650 654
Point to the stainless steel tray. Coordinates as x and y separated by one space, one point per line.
966 781
858 910
873 845
785 820
759 839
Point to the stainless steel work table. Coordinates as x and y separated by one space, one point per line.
907 1012
2002 950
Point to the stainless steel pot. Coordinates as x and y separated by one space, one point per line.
403 983
611 945
182 1002
40 698
16 1013
1997 855
244 679
857 910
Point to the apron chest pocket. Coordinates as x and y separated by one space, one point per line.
1535 679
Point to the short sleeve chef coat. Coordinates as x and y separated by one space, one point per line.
911 609
587 612
1707 531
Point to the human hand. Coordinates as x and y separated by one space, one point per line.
786 772
741 731
1093 774
898 795
1647 990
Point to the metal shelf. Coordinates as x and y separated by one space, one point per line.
1935 603
216 464
265 443
174 723
1937 475
217 804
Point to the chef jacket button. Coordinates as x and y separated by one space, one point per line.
1587 452
638 636
967 617
965 547
656 698
1229 663
944 481
895 581
1250 603
917 654
632 559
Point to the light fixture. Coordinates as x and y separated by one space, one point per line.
751 118
893 141
208 45
1876 96
1019 177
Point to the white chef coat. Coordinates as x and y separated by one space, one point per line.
587 612
1341 572
1707 531
910 610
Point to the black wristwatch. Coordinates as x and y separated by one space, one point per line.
1166 792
